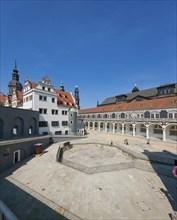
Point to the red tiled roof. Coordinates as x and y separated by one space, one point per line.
145 104
20 95
33 84
2 98
65 99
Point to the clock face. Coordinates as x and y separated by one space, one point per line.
133 115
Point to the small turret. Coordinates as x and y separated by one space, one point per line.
62 87
76 96
135 89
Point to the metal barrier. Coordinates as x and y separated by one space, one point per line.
6 213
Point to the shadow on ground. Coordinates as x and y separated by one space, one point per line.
24 205
21 203
170 183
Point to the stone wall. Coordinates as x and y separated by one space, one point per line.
14 151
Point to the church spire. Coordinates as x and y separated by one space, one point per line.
14 84
15 64
15 75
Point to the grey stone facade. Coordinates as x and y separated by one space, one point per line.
76 124
14 151
18 123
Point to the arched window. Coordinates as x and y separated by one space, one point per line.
105 116
147 114
143 128
113 115
173 130
158 129
163 114
122 115
17 126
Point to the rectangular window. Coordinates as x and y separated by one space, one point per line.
43 88
42 98
58 132
42 110
157 115
49 89
175 115
64 123
55 123
64 112
152 115
54 112
170 115
43 124
53 100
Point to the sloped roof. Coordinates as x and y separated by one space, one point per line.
33 84
20 95
137 105
65 98
144 93
2 98
148 93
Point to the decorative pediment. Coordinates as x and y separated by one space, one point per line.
46 80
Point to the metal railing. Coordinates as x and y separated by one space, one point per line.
122 120
6 213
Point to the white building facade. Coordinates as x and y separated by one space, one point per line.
149 118
52 104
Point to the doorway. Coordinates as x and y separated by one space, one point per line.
16 156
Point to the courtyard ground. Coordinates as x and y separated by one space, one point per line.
41 188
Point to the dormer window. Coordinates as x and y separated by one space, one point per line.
120 98
166 89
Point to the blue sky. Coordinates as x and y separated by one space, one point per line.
104 46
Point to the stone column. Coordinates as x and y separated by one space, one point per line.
147 131
133 129
164 133
99 126
123 129
106 127
93 126
88 125
113 127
